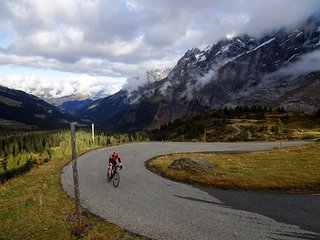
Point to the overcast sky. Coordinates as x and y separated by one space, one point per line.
82 46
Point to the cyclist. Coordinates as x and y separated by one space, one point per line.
113 162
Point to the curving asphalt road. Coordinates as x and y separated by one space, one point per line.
158 208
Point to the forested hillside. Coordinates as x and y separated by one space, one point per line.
20 150
19 109
242 123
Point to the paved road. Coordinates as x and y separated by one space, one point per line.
158 208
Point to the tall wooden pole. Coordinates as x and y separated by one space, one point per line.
92 127
80 224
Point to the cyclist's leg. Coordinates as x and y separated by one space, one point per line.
113 167
110 169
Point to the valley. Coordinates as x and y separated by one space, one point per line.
216 117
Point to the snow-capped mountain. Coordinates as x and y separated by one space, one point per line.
141 84
71 98
280 69
113 108
238 70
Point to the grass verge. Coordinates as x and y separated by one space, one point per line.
291 170
34 206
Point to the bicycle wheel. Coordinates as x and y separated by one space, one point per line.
116 179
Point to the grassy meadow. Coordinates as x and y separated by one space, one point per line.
34 206
292 169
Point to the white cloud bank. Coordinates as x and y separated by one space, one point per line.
82 85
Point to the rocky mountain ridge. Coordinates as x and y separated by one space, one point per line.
281 69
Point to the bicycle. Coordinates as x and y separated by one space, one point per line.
115 177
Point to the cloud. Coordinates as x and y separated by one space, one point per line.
127 37
81 85
133 83
271 15
305 64
76 25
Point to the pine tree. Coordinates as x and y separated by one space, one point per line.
17 159
318 114
279 126
132 138
23 158
11 163
45 156
16 149
11 148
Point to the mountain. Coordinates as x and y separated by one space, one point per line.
110 110
280 69
72 106
59 101
18 108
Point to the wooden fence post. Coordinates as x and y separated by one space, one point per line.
92 130
80 224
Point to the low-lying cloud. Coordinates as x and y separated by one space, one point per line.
133 83
83 86
305 64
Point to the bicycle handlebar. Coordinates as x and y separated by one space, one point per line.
119 166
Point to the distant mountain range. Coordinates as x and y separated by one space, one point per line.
73 106
62 102
19 109
280 69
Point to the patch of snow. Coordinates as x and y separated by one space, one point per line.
201 57
226 48
295 33
239 41
134 99
207 49
261 45
293 56
318 29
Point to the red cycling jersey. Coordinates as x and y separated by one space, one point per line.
113 159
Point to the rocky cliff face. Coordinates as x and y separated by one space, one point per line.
279 69
244 70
